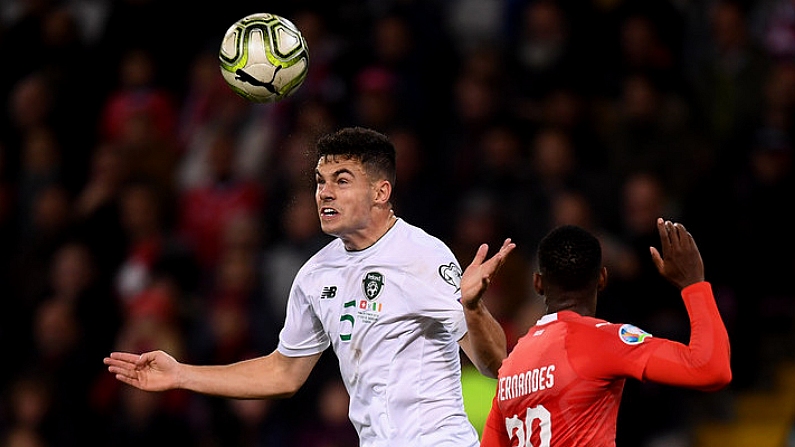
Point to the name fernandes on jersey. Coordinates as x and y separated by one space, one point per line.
531 381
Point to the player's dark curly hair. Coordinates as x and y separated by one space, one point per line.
371 148
570 258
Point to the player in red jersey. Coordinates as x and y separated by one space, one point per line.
561 385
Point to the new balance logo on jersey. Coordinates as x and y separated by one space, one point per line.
328 292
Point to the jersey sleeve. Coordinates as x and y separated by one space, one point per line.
435 277
628 351
704 363
622 349
303 333
494 432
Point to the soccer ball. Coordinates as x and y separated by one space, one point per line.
264 58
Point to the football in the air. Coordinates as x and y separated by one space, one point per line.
264 58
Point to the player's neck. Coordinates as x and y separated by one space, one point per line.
571 305
369 239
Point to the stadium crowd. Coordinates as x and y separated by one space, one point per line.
143 205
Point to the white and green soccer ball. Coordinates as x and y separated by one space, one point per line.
264 58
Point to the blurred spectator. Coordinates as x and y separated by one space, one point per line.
251 423
96 207
41 165
141 213
323 82
148 418
230 318
376 102
28 419
545 54
776 27
419 195
765 183
472 24
727 78
555 167
293 169
22 437
138 94
76 291
30 106
75 322
651 129
299 238
205 209
139 118
331 428
476 103
570 111
29 264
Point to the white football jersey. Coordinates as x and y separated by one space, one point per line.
393 316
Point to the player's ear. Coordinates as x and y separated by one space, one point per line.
383 191
538 283
602 283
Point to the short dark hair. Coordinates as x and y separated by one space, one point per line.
570 258
371 148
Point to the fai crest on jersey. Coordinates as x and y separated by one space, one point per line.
372 284
632 335
451 274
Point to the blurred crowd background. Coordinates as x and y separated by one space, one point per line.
143 205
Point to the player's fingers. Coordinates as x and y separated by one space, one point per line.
688 241
116 363
124 374
501 255
507 247
657 259
680 235
128 380
480 255
665 238
124 356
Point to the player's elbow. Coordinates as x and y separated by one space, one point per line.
490 370
715 378
720 379
285 390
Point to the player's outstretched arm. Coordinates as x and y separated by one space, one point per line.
485 343
274 375
704 363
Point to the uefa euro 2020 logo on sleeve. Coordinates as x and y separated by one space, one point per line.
632 335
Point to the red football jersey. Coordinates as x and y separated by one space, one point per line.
562 383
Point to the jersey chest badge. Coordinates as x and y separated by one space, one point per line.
372 284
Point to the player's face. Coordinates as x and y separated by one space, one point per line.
345 198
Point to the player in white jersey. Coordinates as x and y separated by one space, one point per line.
390 299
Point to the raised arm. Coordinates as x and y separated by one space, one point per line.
484 342
270 376
705 362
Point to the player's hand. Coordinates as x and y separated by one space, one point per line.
680 261
478 274
150 371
